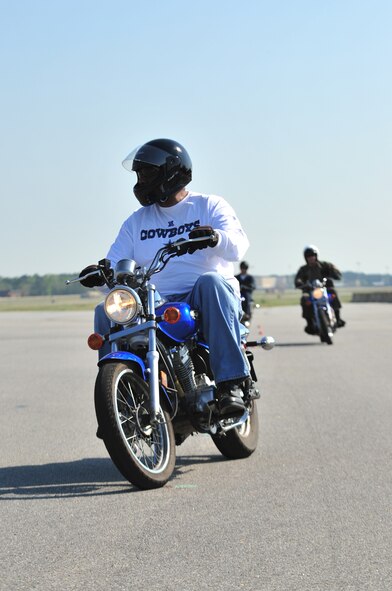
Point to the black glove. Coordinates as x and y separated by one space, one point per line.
95 280
211 238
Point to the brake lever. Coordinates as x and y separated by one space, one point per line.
79 279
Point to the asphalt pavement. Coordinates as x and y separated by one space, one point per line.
310 510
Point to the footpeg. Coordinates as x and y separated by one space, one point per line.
251 394
254 395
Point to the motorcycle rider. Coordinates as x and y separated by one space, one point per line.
247 287
203 278
315 269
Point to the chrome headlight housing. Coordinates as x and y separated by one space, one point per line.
122 305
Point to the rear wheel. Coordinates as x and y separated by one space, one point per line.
325 328
144 453
240 442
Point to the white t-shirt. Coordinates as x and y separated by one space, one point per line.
150 228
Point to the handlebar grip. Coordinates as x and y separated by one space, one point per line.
91 276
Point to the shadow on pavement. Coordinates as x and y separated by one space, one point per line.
87 477
79 478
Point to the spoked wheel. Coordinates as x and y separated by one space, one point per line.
240 442
325 329
144 453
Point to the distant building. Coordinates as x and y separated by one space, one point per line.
268 283
272 283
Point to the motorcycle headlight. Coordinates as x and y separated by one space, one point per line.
122 305
317 293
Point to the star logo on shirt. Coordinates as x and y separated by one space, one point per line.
171 224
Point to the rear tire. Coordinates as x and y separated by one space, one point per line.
144 454
325 329
240 442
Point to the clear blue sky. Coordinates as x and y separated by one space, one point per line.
284 106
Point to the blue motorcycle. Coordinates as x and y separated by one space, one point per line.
155 387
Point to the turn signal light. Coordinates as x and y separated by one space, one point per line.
172 315
163 379
95 341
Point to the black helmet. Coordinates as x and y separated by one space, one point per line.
163 168
310 250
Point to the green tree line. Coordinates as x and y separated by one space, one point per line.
31 285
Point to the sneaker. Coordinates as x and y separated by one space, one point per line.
230 399
340 323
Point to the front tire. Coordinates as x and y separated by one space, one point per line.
325 329
240 442
144 454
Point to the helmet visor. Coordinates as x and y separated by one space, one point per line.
146 173
145 154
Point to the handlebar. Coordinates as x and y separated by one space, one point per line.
101 274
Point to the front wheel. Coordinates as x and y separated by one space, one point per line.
144 453
325 328
240 442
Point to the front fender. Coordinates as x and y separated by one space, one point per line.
131 357
123 356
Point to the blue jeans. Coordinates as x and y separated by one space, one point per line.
220 314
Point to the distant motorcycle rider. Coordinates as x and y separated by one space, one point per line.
247 287
315 269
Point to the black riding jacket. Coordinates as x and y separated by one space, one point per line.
247 282
318 271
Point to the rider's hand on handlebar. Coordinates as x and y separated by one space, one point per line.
305 287
211 238
95 280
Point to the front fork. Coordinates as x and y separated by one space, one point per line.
153 358
316 314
